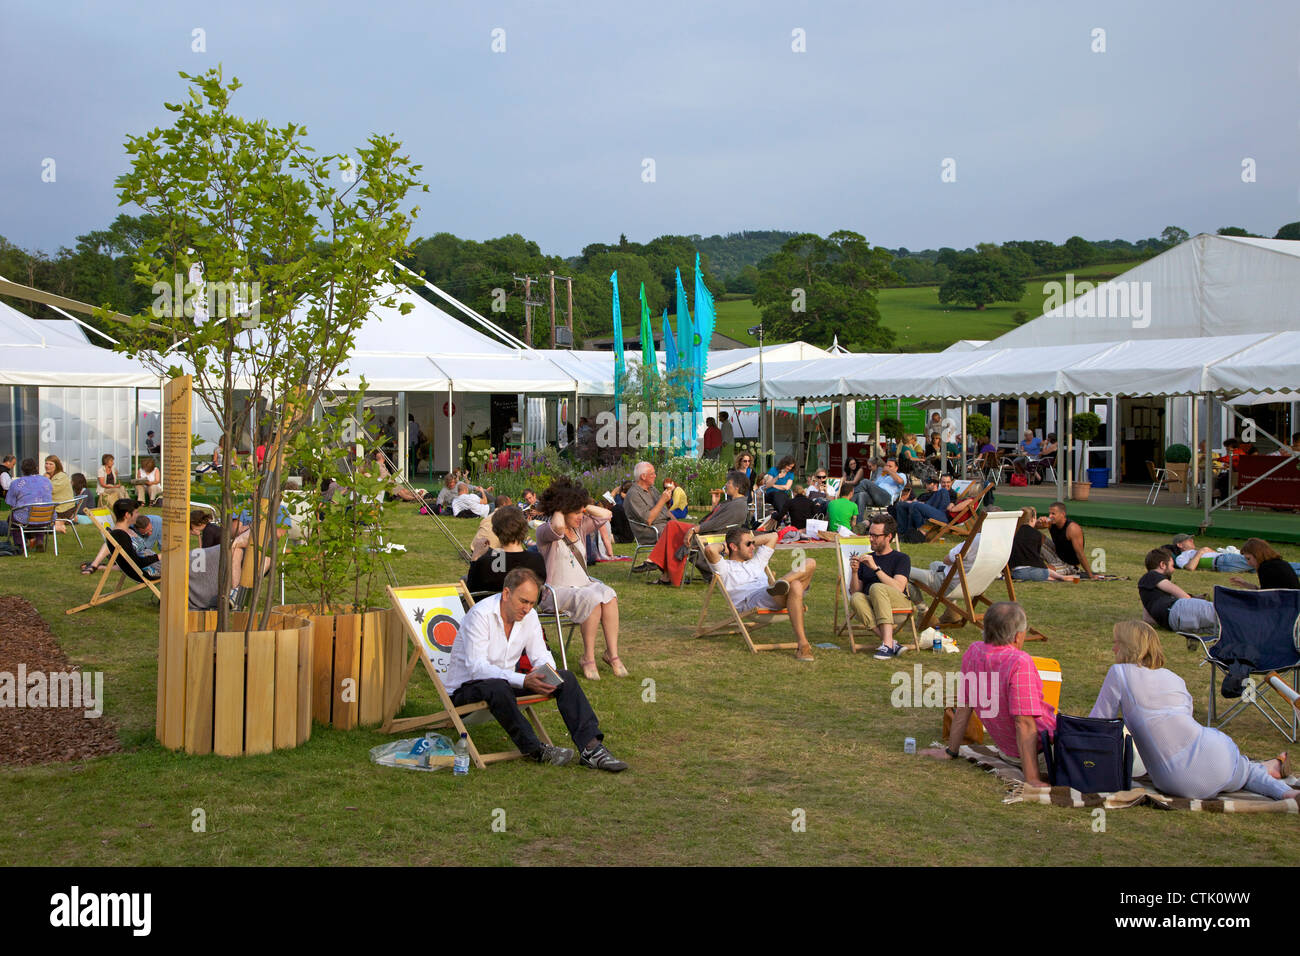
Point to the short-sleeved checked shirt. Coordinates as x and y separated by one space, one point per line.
1019 692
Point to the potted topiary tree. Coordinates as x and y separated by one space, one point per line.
1086 427
1177 458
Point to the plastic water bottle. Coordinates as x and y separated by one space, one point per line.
909 745
460 760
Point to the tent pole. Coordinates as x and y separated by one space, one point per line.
844 431
962 444
1209 468
1069 434
1060 449
1194 468
451 432
403 449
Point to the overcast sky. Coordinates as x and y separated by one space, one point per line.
549 137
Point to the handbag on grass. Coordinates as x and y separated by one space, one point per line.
1089 754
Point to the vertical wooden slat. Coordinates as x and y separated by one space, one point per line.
172 664
199 675
346 652
372 667
322 668
306 653
228 718
286 688
174 562
395 639
259 698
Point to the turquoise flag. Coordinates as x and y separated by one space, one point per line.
686 354
619 367
670 344
648 359
704 322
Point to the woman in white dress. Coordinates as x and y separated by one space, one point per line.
1184 758
562 542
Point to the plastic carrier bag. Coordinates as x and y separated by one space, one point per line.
414 754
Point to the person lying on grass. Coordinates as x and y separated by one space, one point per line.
744 574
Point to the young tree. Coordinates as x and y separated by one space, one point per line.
284 253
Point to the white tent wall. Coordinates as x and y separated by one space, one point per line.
80 425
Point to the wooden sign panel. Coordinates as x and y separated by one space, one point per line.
174 552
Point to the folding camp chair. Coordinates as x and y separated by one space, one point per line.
1259 631
966 520
997 531
102 518
736 623
432 616
40 521
846 547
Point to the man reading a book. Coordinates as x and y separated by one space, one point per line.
496 635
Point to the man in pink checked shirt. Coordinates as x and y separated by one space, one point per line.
1015 711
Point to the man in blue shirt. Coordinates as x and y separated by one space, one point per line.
1031 446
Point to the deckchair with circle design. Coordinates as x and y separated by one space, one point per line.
431 615
119 560
997 531
735 622
846 548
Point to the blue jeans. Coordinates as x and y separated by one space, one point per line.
1235 564
1026 573
912 515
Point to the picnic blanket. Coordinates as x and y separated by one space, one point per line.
1144 791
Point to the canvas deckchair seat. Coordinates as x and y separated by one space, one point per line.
452 600
997 532
964 521
744 624
846 546
118 560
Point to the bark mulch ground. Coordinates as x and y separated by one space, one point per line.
35 735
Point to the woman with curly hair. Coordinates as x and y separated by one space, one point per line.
561 541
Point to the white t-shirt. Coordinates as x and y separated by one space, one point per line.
746 581
470 502
970 555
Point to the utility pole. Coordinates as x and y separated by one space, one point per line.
552 308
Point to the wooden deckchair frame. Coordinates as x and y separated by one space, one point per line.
936 529
968 609
115 553
845 600
450 713
737 623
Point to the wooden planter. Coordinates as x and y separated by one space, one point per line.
358 661
1080 490
1177 476
229 693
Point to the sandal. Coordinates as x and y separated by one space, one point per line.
1283 765
88 568
589 670
615 664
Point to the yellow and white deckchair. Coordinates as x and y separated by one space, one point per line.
102 518
431 615
846 548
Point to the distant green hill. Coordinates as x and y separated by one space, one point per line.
730 253
920 323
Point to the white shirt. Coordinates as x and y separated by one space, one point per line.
741 577
482 651
470 502
970 555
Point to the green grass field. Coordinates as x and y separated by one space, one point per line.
919 322
722 752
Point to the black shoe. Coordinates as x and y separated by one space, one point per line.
646 566
556 756
598 758
781 587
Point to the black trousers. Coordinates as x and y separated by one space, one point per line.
574 709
